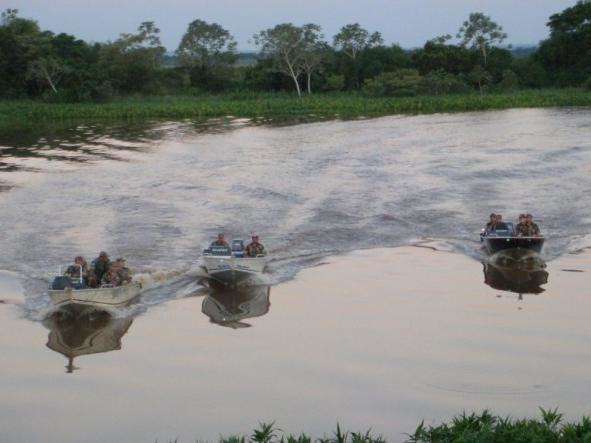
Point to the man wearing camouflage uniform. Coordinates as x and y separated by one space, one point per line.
123 272
221 241
522 229
533 227
101 266
255 248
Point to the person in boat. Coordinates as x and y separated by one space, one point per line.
521 229
255 248
111 278
534 228
101 266
78 270
501 225
220 241
122 271
492 222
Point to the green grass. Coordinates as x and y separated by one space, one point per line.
280 106
484 427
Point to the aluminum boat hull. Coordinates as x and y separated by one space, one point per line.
99 297
233 270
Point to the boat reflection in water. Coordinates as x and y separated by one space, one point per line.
522 274
75 332
230 308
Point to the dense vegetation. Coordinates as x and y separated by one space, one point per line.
19 114
39 64
473 428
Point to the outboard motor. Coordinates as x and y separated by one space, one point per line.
238 248
61 282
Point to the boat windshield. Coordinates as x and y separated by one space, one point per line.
218 250
504 230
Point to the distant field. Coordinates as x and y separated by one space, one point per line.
345 105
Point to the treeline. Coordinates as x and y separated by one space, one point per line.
40 64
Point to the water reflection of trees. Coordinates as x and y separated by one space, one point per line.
519 274
230 308
76 332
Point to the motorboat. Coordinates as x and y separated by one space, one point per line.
230 308
82 330
506 239
65 291
230 265
521 273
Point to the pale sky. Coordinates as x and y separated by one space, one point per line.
406 22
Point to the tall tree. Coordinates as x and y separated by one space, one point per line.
352 39
566 55
131 62
480 32
146 39
285 45
48 70
206 45
314 48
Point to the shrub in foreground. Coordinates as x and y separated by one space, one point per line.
486 427
464 428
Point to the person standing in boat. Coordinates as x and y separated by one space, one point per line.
255 248
220 241
101 266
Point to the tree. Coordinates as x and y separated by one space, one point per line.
8 16
47 70
401 83
207 51
146 39
352 39
206 45
285 45
21 44
567 53
479 77
480 32
132 62
313 51
436 55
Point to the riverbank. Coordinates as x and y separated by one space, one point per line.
21 113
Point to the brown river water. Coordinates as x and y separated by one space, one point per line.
379 309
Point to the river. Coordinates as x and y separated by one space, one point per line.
376 312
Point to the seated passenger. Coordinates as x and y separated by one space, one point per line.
123 272
111 278
521 229
78 270
101 266
255 248
220 241
534 228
